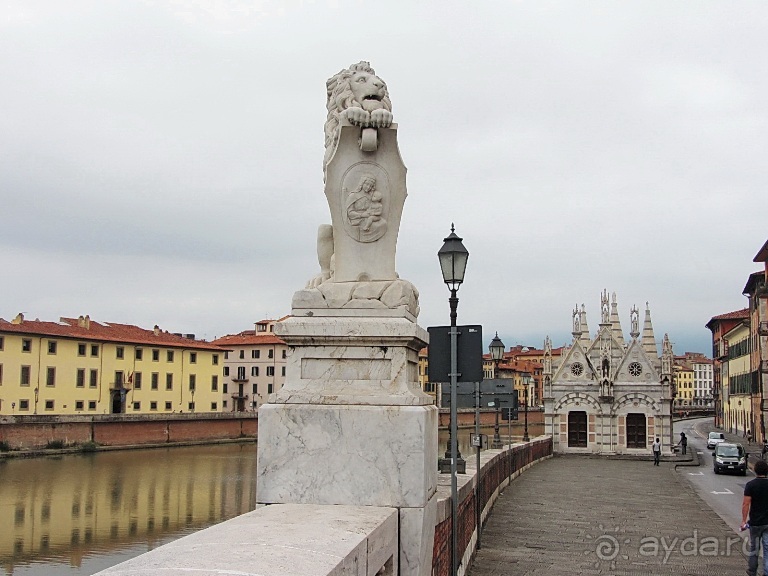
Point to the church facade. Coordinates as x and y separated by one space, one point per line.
608 395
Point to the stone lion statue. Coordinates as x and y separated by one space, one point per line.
357 93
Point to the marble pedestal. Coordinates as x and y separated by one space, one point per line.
352 427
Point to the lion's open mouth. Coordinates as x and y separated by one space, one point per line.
373 97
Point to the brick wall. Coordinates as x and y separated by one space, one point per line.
33 432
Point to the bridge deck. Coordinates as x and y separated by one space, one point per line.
580 515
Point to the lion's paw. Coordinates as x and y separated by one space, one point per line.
381 118
358 116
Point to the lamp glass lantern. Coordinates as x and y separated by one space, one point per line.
453 260
496 348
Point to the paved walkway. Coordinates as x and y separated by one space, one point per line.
580 515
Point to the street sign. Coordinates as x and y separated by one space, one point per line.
469 353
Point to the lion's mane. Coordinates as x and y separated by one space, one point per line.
340 97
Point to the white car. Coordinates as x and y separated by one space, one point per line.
714 439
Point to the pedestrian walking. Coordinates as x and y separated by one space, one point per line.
749 437
683 443
656 447
754 515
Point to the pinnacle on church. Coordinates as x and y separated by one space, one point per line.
585 339
616 331
649 340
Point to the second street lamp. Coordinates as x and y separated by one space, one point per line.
496 348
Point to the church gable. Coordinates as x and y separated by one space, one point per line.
575 367
636 367
605 346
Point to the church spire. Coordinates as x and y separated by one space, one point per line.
616 331
649 341
585 339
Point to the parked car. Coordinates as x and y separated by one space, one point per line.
730 458
714 439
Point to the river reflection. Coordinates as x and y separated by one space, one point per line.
78 514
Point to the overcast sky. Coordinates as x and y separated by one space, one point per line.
161 162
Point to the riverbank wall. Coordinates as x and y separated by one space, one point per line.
25 433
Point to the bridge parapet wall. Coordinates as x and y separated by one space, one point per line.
498 467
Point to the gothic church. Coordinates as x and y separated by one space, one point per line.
609 396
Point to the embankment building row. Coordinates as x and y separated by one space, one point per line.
80 366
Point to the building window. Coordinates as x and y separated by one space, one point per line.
137 380
1 374
169 381
49 404
191 406
120 351
254 353
50 376
139 354
154 381
192 381
94 378
241 372
25 370
169 355
270 387
168 406
118 379
51 346
95 350
80 381
214 406
226 370
153 405
26 345
255 388
255 404
24 405
285 354
79 404
215 359
282 370
91 404
193 357
270 370
254 370
242 354
223 403
224 387
155 355
214 383
226 355
270 353
136 406
2 342
81 349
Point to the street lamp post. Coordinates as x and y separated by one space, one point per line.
525 396
453 263
496 348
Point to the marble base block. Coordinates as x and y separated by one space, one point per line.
358 361
355 455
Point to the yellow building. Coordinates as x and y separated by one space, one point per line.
683 374
426 385
738 379
79 366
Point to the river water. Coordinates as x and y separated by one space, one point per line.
80 513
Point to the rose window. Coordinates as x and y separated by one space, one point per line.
635 369
577 369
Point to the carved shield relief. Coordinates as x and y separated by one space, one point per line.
365 201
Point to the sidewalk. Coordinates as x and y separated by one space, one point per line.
581 515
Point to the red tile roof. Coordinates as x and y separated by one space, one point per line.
762 255
86 329
248 338
735 315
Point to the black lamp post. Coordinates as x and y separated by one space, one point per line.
496 348
525 395
453 263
